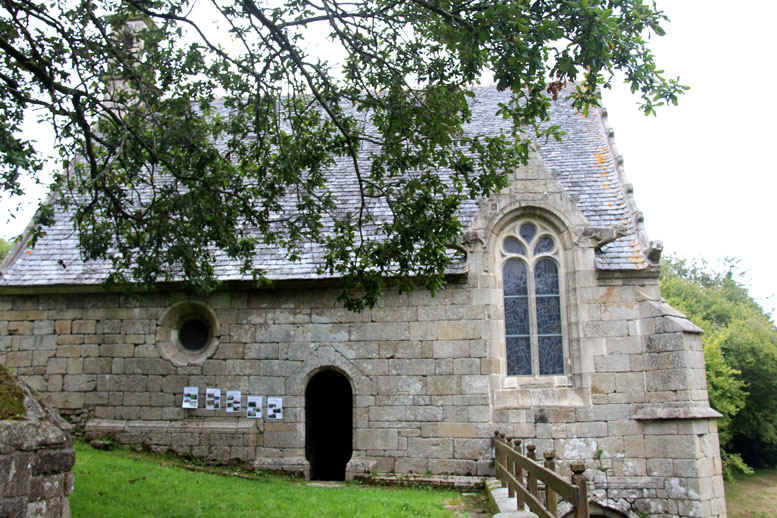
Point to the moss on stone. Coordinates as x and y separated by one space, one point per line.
11 396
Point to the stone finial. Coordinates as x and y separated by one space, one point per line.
577 467
530 451
654 251
472 239
600 236
549 454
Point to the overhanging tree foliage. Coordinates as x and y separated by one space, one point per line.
158 180
5 247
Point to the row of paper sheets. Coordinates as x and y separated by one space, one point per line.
254 404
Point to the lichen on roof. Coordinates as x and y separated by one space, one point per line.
11 396
585 160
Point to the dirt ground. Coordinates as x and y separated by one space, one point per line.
753 496
470 505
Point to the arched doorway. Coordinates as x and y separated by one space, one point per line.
328 425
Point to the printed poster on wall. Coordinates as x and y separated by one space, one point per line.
254 407
233 401
274 408
190 397
213 398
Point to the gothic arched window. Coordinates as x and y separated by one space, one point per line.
531 278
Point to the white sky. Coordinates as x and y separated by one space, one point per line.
700 170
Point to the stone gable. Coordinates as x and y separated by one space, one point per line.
429 378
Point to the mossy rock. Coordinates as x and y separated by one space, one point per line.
11 396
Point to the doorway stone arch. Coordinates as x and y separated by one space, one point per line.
328 424
326 357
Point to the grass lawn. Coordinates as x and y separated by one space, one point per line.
753 496
125 484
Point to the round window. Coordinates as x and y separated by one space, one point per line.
189 333
194 334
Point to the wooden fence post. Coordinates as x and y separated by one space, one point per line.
509 463
550 495
532 478
581 509
518 473
498 458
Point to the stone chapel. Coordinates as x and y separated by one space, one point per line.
552 329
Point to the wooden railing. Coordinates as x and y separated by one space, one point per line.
521 473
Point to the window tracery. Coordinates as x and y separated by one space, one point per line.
531 278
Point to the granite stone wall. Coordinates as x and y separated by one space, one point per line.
428 383
36 458
428 373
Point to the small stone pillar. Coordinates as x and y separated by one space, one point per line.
36 454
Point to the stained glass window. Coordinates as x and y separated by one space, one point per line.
532 302
514 246
544 245
527 231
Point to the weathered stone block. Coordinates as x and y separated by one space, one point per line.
47 487
373 367
672 447
108 327
630 382
53 461
666 342
451 349
612 363
261 351
75 365
473 449
243 367
411 366
430 448
97 365
668 379
452 466
474 384
400 384
658 467
84 327
80 382
424 413
43 327
605 328
376 439
459 330
19 328
13 507
588 429
406 465
62 327
14 476
439 385
454 430
117 350
388 413
379 331
56 366
431 313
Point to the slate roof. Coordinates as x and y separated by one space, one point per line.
585 160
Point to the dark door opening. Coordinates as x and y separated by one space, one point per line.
328 425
